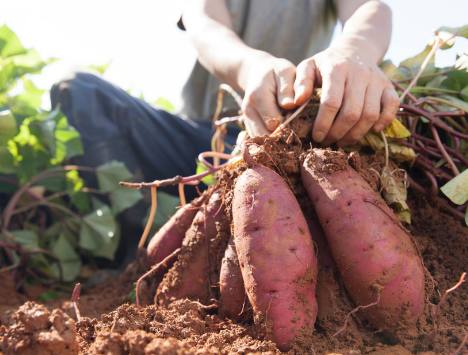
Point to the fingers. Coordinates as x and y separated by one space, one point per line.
351 110
333 82
390 105
368 117
285 73
254 123
304 83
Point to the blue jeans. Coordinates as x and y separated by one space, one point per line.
114 125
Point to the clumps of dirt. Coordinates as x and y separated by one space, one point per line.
36 330
9 297
183 327
332 161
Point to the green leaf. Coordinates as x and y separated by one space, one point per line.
457 188
464 93
7 163
456 80
164 104
392 71
28 239
412 65
122 198
461 31
167 205
9 42
81 201
68 258
67 141
99 233
207 180
47 296
100 68
110 174
132 296
8 128
28 102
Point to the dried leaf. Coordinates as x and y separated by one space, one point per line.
396 129
395 193
397 151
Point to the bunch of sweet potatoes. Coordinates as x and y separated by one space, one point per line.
262 258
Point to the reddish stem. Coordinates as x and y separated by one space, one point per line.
434 120
74 298
447 158
443 203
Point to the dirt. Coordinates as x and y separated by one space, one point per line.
111 324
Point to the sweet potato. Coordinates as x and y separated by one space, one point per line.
373 252
170 236
200 256
233 300
276 255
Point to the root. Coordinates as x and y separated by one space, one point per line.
292 117
358 308
74 298
443 299
149 223
163 264
461 346
183 200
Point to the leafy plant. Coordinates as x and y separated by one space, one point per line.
51 223
434 106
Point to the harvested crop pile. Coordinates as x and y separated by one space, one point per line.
293 249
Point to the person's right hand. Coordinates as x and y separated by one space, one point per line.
268 86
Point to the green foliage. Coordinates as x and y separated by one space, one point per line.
207 180
439 89
164 104
457 188
47 211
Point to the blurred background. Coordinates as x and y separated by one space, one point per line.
150 57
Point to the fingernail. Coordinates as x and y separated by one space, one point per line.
319 136
272 123
287 101
299 92
378 127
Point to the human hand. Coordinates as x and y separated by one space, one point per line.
268 87
356 96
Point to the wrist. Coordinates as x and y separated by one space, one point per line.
251 58
359 49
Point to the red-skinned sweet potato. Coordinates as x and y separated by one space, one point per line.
374 254
192 275
233 300
170 236
276 255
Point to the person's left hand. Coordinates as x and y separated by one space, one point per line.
356 96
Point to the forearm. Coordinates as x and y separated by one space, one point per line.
367 31
219 48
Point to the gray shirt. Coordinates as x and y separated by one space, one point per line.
291 29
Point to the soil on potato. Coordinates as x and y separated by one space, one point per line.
111 324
